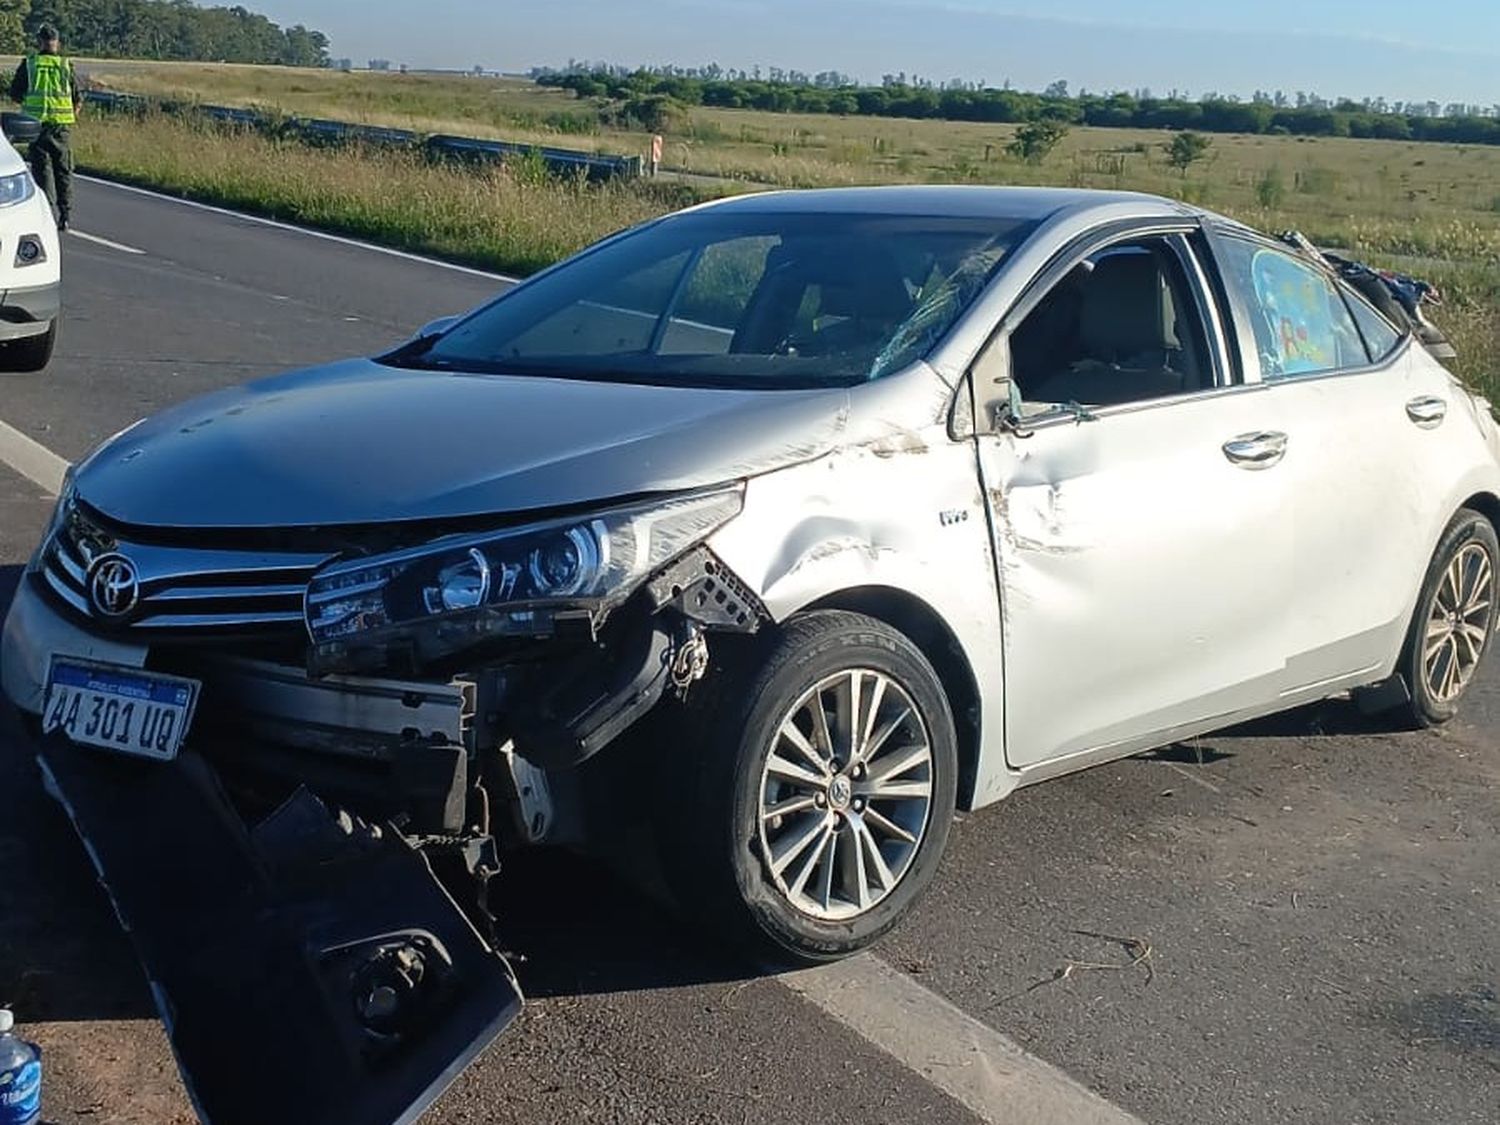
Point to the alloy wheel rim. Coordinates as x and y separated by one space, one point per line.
845 795
1458 625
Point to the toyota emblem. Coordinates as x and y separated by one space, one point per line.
114 586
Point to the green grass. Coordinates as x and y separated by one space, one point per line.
1428 208
515 223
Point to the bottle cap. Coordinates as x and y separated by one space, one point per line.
7 1021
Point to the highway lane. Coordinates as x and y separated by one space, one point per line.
1317 896
213 301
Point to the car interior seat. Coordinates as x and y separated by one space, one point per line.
1127 344
861 299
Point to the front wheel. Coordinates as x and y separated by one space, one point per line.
824 788
1455 619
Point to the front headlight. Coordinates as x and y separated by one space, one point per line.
16 189
461 590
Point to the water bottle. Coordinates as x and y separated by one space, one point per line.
20 1076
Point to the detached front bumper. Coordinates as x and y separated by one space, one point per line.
308 966
309 969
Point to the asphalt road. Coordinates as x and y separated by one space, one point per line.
1311 904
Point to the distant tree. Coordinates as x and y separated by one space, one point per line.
656 113
304 47
13 15
162 29
1035 140
1269 112
1186 149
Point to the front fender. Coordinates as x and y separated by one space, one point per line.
906 515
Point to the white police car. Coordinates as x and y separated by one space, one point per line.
30 260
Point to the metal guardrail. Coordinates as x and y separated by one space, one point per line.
318 130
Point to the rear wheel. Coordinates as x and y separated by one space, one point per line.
824 787
1454 622
31 354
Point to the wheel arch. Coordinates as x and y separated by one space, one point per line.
1487 504
926 628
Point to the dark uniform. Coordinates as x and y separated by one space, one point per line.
47 90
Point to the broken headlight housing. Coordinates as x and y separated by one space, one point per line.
422 604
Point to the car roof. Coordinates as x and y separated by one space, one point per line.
965 201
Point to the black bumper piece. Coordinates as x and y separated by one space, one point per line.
311 970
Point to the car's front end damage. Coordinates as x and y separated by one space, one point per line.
374 715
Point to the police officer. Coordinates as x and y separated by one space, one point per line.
48 90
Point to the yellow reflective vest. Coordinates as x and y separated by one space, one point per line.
49 95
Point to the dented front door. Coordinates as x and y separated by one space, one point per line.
1144 567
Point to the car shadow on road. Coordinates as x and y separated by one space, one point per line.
63 957
576 927
1331 718
1338 717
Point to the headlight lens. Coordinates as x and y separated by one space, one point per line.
567 563
16 189
508 583
463 585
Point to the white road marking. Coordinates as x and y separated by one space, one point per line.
120 246
968 1060
32 459
304 231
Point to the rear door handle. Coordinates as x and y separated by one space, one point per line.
1427 411
1256 451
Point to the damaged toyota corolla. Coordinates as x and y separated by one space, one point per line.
775 530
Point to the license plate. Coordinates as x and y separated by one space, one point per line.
120 709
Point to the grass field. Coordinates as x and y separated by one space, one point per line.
514 223
1434 209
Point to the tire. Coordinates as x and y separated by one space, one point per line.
741 872
31 354
1454 621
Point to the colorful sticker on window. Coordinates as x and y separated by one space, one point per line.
1294 301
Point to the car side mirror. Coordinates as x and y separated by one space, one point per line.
434 328
20 128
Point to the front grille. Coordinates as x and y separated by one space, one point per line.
180 589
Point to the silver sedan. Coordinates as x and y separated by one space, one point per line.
772 533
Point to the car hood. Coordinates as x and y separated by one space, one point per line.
361 442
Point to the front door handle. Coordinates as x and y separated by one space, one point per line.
1256 451
1427 411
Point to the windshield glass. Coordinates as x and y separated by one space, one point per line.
736 298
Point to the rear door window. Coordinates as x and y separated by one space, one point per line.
1301 324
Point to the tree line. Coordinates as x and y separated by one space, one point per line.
899 97
161 29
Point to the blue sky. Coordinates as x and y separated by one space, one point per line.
1393 48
